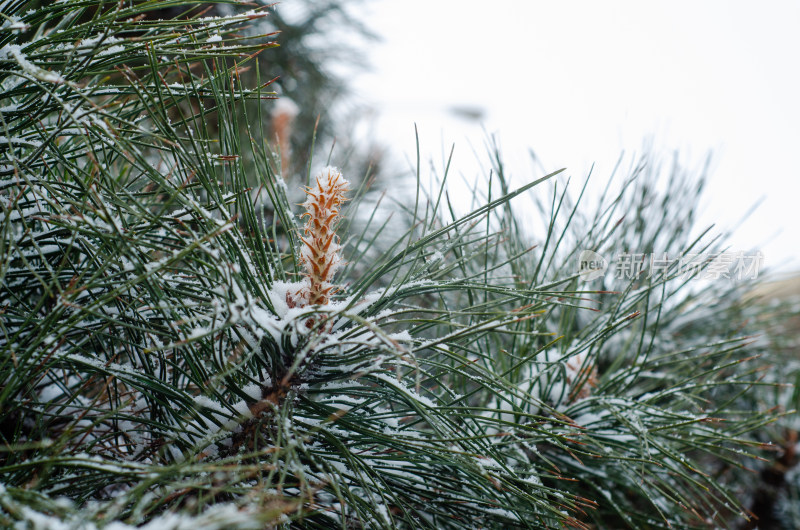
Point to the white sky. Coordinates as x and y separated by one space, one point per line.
579 81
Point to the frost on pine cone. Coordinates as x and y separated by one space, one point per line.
320 253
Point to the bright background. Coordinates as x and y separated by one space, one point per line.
581 81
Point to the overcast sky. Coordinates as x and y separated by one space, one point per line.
579 81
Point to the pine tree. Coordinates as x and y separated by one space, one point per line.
170 357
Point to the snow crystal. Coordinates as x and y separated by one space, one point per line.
253 390
198 332
15 52
409 392
401 336
278 293
282 184
14 24
20 141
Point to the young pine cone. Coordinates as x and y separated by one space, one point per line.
320 254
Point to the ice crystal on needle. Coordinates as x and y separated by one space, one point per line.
320 254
